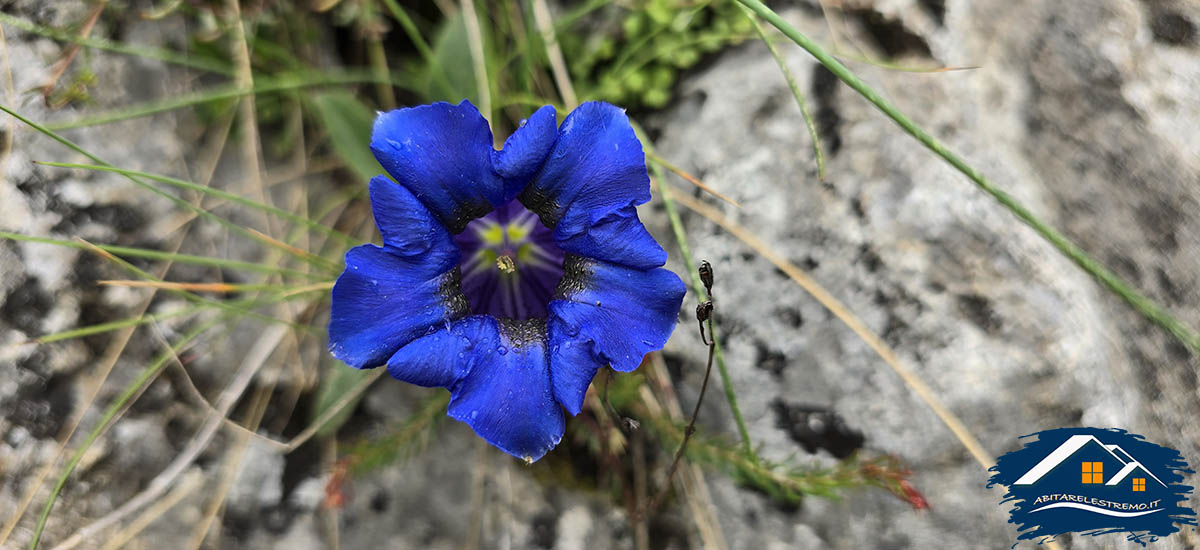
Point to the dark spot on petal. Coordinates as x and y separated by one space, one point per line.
577 272
520 333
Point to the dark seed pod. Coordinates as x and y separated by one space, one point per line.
706 275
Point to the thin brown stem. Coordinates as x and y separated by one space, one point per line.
705 314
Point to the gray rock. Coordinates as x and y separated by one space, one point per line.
1012 337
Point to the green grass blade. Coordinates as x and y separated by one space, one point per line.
237 199
791 81
1135 299
101 328
307 257
410 29
414 35
148 254
227 92
148 52
193 297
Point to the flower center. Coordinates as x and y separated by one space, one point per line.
510 266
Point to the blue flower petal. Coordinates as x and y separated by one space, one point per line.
444 358
506 397
384 300
443 154
408 228
525 150
586 191
617 237
625 313
572 365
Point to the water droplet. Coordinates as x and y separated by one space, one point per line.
502 350
523 122
395 144
572 330
462 354
474 414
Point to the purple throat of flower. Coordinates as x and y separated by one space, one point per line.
510 265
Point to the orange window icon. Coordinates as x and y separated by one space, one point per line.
1139 484
1093 472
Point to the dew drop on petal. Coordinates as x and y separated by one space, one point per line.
502 350
522 124
395 144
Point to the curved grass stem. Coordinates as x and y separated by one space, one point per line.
698 287
799 95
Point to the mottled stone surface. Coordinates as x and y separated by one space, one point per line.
1086 112
1079 111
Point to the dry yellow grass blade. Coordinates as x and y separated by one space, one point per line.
194 287
855 324
558 65
691 179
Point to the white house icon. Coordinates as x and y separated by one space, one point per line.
1074 444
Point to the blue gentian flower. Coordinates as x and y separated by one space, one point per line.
509 277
